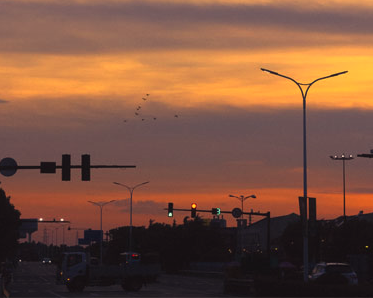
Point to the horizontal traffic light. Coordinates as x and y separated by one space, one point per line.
215 211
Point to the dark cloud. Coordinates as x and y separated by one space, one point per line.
3 101
361 190
253 147
142 207
81 27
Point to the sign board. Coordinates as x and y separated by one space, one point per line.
82 241
312 216
236 212
28 225
8 166
93 235
303 214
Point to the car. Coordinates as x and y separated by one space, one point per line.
334 273
47 261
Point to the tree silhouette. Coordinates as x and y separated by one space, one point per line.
177 245
9 225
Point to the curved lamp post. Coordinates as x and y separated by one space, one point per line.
304 96
101 205
130 189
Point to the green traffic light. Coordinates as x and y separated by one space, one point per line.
170 214
217 211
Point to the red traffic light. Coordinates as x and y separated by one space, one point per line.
193 210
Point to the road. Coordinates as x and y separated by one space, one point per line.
33 279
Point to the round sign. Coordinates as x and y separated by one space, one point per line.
8 166
236 212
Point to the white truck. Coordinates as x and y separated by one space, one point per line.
78 270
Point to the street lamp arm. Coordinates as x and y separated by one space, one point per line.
304 94
131 188
105 203
94 203
120 184
280 75
327 77
291 79
251 196
140 184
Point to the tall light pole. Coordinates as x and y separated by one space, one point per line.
343 157
101 205
304 96
130 189
242 198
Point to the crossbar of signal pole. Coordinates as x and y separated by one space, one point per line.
210 211
60 167
267 214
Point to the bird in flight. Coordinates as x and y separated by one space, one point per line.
143 108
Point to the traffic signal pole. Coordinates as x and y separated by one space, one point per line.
221 211
8 167
236 215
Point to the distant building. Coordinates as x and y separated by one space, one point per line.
218 222
255 237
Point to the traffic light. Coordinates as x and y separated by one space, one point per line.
86 167
193 210
215 211
170 209
66 167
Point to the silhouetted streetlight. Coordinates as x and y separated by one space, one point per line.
343 158
101 205
304 96
242 198
130 189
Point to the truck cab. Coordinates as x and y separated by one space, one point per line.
126 258
74 271
78 270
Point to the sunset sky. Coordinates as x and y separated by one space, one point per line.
74 72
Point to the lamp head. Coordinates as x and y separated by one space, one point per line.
339 73
269 71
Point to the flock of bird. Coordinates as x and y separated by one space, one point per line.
138 115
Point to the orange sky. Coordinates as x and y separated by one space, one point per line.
72 71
